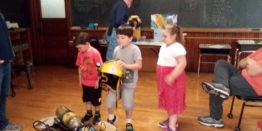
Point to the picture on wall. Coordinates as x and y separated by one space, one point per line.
158 20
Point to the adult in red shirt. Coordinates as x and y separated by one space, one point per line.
87 59
229 80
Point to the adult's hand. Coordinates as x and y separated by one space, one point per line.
253 68
2 61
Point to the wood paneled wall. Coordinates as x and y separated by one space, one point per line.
214 36
49 36
194 37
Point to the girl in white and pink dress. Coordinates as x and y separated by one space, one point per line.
171 75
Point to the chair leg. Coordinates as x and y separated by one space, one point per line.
230 114
28 79
13 94
198 67
241 115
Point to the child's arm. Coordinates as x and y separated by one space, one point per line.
79 75
99 63
180 67
135 66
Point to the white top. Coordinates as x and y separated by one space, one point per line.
167 54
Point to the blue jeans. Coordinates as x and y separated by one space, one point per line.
5 84
112 43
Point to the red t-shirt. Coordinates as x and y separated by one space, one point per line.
255 81
87 63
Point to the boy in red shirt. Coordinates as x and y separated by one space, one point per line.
87 59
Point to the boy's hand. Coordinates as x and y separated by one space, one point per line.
121 63
97 84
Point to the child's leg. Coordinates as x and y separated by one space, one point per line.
88 106
87 92
89 113
129 116
111 103
96 98
128 102
97 108
97 117
172 121
96 101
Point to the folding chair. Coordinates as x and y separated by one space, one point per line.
245 100
22 67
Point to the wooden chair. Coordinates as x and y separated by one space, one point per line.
25 68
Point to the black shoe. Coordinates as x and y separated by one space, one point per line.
97 118
216 89
112 121
87 117
129 127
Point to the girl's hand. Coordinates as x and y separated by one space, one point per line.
2 61
169 79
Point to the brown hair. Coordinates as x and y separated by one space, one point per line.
82 38
175 29
125 29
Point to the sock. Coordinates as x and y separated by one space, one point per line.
97 112
128 120
111 116
89 112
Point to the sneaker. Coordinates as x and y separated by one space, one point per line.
168 129
12 127
209 121
87 117
112 121
164 124
97 118
216 89
129 127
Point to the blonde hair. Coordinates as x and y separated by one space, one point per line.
174 29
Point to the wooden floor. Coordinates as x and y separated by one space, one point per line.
56 85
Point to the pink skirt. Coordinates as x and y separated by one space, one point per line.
171 98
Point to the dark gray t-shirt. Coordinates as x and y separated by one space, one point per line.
129 54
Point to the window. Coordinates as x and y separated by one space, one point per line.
53 8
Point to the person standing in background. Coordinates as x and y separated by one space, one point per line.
118 16
6 54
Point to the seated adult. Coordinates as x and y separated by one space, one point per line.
229 80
